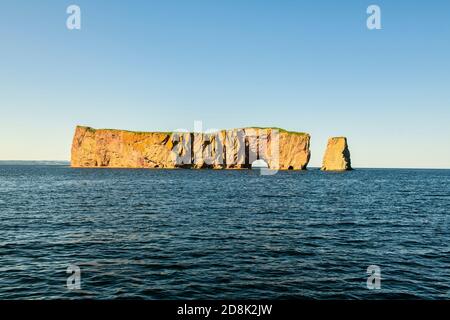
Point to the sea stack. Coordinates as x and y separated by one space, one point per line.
225 149
337 155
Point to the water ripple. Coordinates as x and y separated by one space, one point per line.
185 234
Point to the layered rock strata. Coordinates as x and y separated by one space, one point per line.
337 155
226 149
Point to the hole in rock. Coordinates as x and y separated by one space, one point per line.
259 164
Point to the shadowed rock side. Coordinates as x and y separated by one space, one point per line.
337 155
226 149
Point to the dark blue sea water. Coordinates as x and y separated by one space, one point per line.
170 234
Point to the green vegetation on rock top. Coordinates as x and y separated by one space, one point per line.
281 130
119 130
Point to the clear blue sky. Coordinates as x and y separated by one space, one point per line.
160 65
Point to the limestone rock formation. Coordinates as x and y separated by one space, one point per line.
226 149
337 155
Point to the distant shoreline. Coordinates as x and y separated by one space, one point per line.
35 162
67 163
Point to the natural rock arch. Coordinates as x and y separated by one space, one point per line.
258 164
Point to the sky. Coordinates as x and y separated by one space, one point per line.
310 66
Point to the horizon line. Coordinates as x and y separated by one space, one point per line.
312 167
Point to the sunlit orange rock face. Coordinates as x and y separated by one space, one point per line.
226 149
337 155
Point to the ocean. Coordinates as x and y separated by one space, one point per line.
210 234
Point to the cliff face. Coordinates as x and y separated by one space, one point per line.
337 155
226 149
